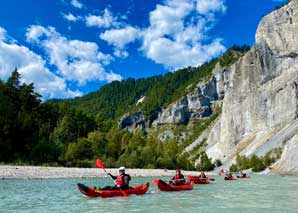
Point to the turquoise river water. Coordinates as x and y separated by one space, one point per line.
261 193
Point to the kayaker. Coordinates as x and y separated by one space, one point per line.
122 180
220 172
178 179
202 175
229 175
242 174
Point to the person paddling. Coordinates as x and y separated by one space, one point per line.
178 179
220 172
229 175
122 180
241 174
202 175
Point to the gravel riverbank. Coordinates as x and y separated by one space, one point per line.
38 172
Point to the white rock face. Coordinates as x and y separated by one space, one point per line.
261 89
279 30
194 105
288 162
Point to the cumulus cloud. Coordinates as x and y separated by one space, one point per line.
76 4
178 33
75 60
32 69
206 7
105 20
70 17
120 37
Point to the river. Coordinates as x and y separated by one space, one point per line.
261 193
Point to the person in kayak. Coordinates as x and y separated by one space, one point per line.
178 179
202 175
222 171
241 174
229 175
121 181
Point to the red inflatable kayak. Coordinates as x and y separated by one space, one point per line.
243 176
232 178
198 180
91 192
163 186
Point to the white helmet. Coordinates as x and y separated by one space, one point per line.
122 168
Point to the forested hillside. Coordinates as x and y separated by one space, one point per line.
74 132
117 98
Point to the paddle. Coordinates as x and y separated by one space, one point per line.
101 165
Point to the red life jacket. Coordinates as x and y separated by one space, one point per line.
177 180
202 176
120 180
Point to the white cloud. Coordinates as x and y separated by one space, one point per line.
76 4
70 17
120 53
176 55
37 32
106 20
178 33
32 69
2 34
205 7
75 60
120 37
168 19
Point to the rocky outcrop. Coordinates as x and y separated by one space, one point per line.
133 121
194 105
261 90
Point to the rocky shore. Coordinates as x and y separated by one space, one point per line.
38 172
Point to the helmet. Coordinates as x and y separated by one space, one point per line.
122 168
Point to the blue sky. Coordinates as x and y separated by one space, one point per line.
71 47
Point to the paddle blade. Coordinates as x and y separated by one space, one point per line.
211 179
155 182
99 164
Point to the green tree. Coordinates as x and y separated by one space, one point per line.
257 164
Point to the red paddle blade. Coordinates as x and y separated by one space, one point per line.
100 164
155 182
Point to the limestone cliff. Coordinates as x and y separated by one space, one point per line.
262 94
258 95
